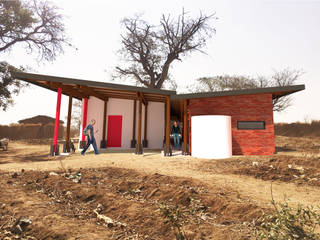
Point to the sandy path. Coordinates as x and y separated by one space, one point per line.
248 187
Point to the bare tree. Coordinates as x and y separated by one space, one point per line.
150 50
34 24
37 26
281 78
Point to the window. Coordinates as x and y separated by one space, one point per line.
251 125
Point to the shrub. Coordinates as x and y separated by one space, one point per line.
289 223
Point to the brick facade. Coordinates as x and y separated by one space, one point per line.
255 107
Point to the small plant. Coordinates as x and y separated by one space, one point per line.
289 223
174 215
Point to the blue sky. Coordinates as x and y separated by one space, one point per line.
252 38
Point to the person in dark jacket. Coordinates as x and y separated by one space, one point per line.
90 138
176 134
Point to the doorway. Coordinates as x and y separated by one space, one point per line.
114 131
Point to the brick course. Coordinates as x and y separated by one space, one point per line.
255 107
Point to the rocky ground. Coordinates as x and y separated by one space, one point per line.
124 196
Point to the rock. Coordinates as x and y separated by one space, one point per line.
255 164
300 169
20 225
53 174
289 166
99 208
109 222
69 194
15 175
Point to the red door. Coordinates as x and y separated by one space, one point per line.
114 131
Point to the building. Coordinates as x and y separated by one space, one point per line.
42 119
137 117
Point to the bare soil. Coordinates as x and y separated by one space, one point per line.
219 199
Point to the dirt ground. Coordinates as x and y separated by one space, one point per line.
219 199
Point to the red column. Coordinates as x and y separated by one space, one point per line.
56 126
84 119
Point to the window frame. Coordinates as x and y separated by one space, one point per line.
251 128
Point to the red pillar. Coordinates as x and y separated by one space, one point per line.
84 119
56 126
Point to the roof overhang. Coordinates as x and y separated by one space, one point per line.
276 92
84 89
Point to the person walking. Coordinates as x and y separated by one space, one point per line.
89 132
176 133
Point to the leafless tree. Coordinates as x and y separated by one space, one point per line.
285 77
38 27
149 50
34 24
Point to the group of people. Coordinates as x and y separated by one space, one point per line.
89 133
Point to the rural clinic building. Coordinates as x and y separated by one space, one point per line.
136 117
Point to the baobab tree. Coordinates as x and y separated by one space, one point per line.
149 50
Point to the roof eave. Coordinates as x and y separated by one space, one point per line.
287 90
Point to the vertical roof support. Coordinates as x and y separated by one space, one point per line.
103 143
139 146
54 148
84 121
133 141
168 150
66 147
145 141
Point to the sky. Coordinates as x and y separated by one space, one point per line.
252 38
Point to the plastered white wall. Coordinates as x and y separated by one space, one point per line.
123 107
155 127
95 111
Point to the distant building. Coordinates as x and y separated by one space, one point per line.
39 119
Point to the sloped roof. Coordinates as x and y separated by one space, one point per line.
276 92
83 88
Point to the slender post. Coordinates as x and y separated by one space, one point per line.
103 143
185 127
145 141
56 126
168 126
133 141
181 110
165 122
67 147
139 148
84 119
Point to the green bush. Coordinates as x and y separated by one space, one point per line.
289 223
174 215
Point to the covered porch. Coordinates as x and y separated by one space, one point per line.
141 97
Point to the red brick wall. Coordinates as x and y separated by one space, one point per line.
256 107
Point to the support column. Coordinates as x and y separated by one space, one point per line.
168 149
66 145
165 124
145 141
84 121
185 129
133 141
139 146
54 150
103 143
